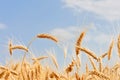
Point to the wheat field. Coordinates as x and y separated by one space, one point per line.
25 70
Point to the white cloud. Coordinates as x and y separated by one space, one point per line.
110 9
103 38
62 34
2 26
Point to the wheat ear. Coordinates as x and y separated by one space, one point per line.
48 36
79 41
87 51
110 49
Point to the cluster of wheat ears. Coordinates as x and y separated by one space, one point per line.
25 70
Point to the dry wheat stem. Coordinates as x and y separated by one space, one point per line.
77 62
54 60
93 64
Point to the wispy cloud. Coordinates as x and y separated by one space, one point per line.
110 9
62 34
73 32
2 26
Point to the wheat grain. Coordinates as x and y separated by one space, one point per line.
48 36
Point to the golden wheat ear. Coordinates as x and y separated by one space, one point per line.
100 75
21 47
10 47
70 67
13 47
110 49
88 52
79 41
47 36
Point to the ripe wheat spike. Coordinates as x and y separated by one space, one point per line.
48 36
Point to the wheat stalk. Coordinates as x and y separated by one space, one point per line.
54 60
93 64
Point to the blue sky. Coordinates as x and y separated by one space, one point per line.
22 20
